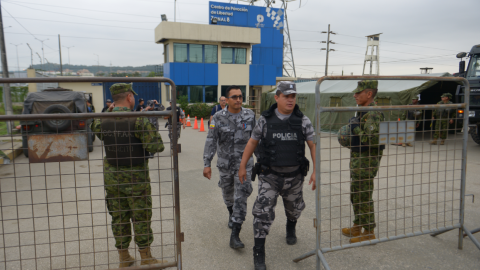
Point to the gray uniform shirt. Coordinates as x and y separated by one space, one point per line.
307 129
230 132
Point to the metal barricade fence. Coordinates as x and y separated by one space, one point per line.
65 206
413 188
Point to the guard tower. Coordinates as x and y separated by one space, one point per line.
373 43
426 70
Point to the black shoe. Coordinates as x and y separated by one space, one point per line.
259 254
235 241
291 237
230 213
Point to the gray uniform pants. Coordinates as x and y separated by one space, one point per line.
179 130
235 193
270 186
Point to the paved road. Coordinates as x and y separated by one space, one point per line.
399 191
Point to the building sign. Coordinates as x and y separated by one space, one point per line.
97 84
246 16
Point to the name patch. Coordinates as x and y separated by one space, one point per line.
285 136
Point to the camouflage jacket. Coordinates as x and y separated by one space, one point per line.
145 131
412 115
369 127
444 114
231 136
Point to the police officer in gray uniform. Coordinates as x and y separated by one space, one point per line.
281 133
231 128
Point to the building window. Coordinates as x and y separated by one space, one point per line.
196 53
211 94
243 88
182 90
211 54
180 52
335 102
168 93
196 93
234 56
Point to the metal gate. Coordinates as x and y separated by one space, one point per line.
419 188
57 207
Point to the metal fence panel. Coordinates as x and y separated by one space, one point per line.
57 209
419 187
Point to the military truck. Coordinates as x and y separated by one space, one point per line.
472 74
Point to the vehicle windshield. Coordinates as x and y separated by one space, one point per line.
474 99
474 68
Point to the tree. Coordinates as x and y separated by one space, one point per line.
151 74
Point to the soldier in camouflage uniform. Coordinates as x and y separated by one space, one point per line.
231 128
126 174
412 115
281 134
443 117
365 156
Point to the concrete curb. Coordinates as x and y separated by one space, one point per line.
9 154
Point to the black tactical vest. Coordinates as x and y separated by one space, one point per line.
178 114
121 146
284 144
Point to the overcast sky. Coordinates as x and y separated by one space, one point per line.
416 33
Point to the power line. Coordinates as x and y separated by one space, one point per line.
111 39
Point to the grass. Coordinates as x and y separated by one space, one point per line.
3 125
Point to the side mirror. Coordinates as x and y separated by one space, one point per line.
461 54
461 67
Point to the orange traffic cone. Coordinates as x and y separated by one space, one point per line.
189 124
195 125
202 128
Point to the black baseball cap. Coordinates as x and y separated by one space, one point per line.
109 100
140 99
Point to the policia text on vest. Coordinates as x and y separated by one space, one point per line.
280 134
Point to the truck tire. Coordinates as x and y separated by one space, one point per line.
474 135
57 124
90 142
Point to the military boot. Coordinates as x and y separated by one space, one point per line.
235 241
259 254
442 142
364 236
125 259
230 213
354 231
147 258
434 142
291 237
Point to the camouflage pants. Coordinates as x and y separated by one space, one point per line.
235 193
270 186
179 130
441 129
128 201
363 168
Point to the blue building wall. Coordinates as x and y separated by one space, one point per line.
267 57
147 91
191 73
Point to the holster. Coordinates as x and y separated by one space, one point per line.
255 171
305 167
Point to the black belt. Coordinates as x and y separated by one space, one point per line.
267 170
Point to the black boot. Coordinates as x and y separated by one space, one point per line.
235 241
259 254
230 212
291 237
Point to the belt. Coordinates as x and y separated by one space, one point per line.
286 174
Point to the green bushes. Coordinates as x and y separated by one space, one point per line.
200 110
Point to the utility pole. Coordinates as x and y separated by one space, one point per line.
60 50
16 49
68 48
7 98
31 55
328 46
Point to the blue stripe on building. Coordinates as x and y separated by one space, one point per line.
145 90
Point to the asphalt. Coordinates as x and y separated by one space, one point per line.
408 177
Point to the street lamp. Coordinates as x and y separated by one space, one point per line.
43 52
41 61
31 54
16 48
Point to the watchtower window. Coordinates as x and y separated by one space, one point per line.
383 101
335 102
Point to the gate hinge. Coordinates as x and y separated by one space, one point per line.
182 237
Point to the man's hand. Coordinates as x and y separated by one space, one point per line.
451 121
148 108
312 181
207 172
242 174
111 107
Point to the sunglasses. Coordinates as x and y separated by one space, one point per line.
236 97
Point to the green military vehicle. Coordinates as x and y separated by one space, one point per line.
472 74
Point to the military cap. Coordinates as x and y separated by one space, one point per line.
447 95
109 100
414 96
366 84
119 88
287 87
